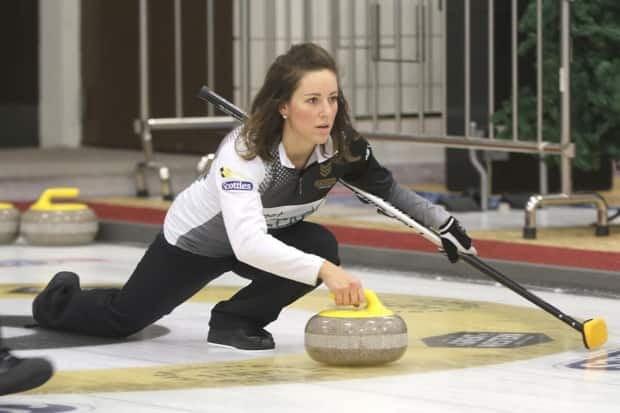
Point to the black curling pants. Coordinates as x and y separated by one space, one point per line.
166 276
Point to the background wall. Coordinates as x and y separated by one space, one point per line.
65 103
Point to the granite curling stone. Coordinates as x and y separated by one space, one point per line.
9 223
47 223
363 337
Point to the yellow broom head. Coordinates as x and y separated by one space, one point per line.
594 333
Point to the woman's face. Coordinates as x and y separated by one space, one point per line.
310 112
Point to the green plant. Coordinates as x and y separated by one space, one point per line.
595 80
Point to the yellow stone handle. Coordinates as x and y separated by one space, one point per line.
44 203
374 308
373 304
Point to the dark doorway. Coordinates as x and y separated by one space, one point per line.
110 71
19 73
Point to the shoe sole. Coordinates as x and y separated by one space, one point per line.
242 350
229 338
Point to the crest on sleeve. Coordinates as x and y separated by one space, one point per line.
229 173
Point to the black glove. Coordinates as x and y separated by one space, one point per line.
454 239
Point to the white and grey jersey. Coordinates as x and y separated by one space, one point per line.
229 211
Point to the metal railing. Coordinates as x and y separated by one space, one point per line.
565 149
566 197
145 125
537 201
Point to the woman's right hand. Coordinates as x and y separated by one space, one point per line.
346 288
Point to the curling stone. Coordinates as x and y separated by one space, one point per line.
47 223
362 337
9 223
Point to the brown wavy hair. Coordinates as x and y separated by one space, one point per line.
262 130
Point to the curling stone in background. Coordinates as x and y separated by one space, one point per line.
47 223
362 337
9 223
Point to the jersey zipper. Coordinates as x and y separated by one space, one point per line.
300 180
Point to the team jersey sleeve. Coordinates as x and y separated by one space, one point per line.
237 182
368 174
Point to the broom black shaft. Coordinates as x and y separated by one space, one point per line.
221 103
517 288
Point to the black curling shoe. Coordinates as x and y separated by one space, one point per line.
21 374
54 297
242 338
